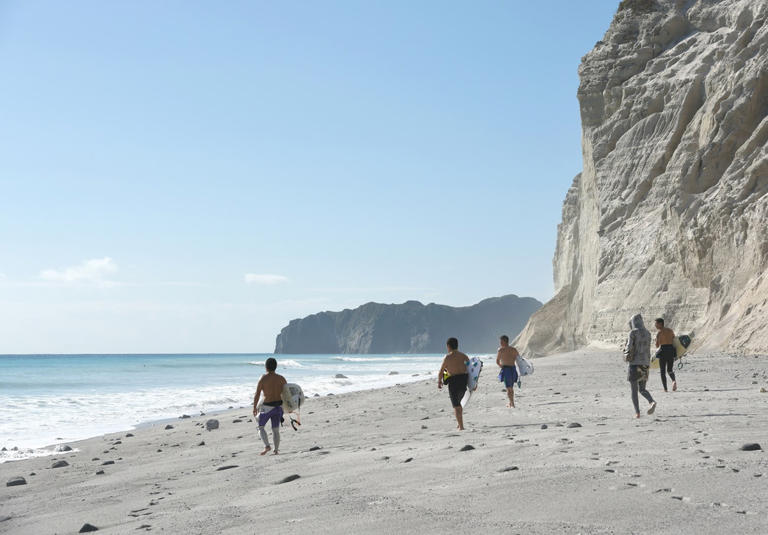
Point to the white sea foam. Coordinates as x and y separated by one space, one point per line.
289 363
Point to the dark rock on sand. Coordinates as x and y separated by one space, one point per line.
573 425
227 467
340 376
100 473
409 459
544 426
169 426
63 447
59 464
236 421
754 446
88 528
467 448
184 416
16 481
212 424
107 463
128 435
508 469
393 373
202 443
314 448
292 477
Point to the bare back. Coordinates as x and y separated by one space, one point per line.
665 336
455 363
507 356
271 384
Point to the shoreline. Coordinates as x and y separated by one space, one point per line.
362 456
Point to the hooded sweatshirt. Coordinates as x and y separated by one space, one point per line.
639 342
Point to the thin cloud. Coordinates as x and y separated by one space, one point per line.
95 271
266 279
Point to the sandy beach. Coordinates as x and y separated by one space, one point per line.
568 459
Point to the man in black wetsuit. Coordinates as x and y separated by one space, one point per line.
665 339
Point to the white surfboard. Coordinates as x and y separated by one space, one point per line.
524 366
474 367
293 397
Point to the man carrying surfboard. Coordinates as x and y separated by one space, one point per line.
271 384
506 360
455 367
665 340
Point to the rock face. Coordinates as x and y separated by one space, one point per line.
669 216
410 327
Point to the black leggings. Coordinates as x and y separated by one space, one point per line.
667 354
639 385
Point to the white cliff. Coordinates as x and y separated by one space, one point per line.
669 216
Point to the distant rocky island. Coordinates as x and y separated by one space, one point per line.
410 327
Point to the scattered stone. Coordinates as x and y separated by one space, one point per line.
107 463
316 395
184 417
227 467
16 481
169 426
663 490
128 435
468 447
288 479
88 528
32 474
236 421
393 373
159 451
59 464
508 469
409 459
202 443
753 446
63 447
573 425
385 458
314 448
340 376
100 473
544 426
212 424
611 470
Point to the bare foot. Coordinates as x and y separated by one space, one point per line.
637 415
266 450
674 386
510 405
461 429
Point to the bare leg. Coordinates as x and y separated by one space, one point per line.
511 396
276 438
459 417
264 438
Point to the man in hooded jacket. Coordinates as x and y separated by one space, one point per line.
638 354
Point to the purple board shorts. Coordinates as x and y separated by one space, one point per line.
276 414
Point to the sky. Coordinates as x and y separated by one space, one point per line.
190 176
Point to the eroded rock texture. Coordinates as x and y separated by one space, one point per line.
669 216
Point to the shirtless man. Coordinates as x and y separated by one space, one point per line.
665 339
271 384
455 363
506 359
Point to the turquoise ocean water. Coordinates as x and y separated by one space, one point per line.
48 399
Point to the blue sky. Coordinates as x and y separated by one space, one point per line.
155 154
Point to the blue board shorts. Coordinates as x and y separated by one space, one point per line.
508 375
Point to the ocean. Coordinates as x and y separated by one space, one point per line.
51 399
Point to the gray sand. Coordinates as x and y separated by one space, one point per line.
390 461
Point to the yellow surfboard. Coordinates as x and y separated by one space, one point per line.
679 352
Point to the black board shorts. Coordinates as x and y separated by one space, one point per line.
457 387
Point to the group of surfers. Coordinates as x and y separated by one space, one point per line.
637 354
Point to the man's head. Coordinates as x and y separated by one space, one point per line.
453 344
271 364
504 339
659 323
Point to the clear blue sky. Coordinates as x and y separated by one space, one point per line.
154 154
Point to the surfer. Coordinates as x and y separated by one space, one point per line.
638 354
665 339
455 367
271 384
506 360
